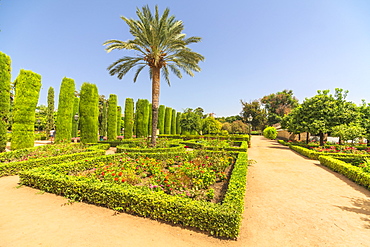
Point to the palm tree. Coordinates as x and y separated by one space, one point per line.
160 46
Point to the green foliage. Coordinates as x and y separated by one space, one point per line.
142 117
103 116
112 118
238 127
129 118
190 122
258 113
278 105
167 120
65 111
89 113
354 173
27 86
173 122
50 122
150 119
211 126
5 78
270 133
178 125
312 154
76 107
119 120
161 120
348 132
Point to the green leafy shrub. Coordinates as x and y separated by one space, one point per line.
112 118
89 113
5 78
129 118
312 154
270 133
65 111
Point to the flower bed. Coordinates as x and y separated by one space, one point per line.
154 201
312 154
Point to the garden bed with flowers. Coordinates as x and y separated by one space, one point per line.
14 161
144 146
178 189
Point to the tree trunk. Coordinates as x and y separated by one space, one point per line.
307 137
321 139
155 102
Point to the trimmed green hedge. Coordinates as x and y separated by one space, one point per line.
65 111
13 168
243 146
356 174
126 149
315 154
5 78
222 220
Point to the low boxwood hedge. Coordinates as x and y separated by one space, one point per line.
356 174
13 168
222 220
315 154
243 146
127 149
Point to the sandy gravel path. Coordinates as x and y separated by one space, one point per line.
290 201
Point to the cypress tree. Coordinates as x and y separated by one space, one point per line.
167 120
129 118
150 119
5 76
173 122
112 118
161 114
119 119
27 89
142 117
178 126
104 119
76 108
50 123
65 111
89 113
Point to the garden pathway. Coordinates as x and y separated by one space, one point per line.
290 201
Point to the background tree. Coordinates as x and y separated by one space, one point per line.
161 116
40 118
167 120
142 117
238 127
160 45
27 90
112 118
190 122
259 114
320 113
76 108
278 105
347 132
5 77
227 126
211 126
89 113
50 123
65 111
129 118
364 115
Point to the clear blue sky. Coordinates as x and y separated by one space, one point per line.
252 48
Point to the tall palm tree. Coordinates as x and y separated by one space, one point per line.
160 46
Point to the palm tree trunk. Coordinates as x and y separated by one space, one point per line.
155 102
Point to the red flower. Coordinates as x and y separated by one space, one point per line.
113 174
120 174
116 179
123 180
103 173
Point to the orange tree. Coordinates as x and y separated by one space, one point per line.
160 45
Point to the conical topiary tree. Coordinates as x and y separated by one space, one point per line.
50 122
27 89
112 118
161 115
65 111
142 117
76 108
173 122
119 119
89 113
178 126
167 120
5 77
129 118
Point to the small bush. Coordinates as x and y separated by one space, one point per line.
270 133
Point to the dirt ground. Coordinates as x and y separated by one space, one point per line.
290 201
